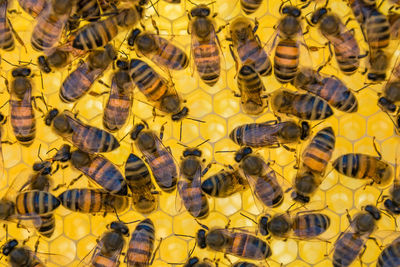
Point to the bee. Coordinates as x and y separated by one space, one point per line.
116 111
110 246
303 106
22 114
160 160
50 24
330 88
251 86
244 264
82 78
57 59
205 47
87 138
33 8
389 100
100 170
138 179
287 51
141 245
389 256
362 166
35 202
88 10
345 46
261 177
351 242
93 201
250 6
47 223
157 89
196 262
379 62
237 243
303 225
21 256
248 46
7 42
224 183
189 185
315 158
270 133
159 50
99 33
392 202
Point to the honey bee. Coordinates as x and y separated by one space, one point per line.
287 51
303 225
99 33
392 204
160 160
270 133
33 8
362 166
116 111
88 10
35 202
93 201
189 185
244 264
196 262
250 6
303 106
100 170
224 183
6 37
351 242
345 46
237 243
390 255
110 246
22 114
315 158
21 256
141 245
139 181
205 47
50 24
57 59
87 138
379 62
158 49
251 86
261 177
248 46
82 78
47 223
157 89
389 101
330 88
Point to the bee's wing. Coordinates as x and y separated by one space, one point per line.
191 191
252 180
19 183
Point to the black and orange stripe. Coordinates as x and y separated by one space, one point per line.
310 225
377 30
248 246
268 190
6 37
319 152
250 52
207 60
32 7
286 60
93 201
106 174
347 249
88 9
224 184
35 202
137 174
250 6
250 86
141 245
390 256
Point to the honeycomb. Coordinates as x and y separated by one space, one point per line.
75 234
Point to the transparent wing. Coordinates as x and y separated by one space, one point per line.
191 194
19 182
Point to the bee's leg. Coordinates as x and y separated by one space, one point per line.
37 244
226 257
376 148
329 58
234 58
59 186
155 252
361 254
288 148
162 131
75 180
